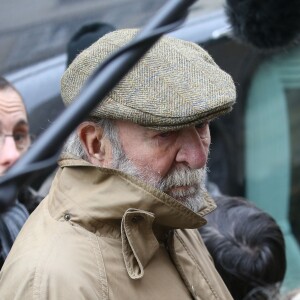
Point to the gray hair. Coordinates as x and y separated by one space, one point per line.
74 146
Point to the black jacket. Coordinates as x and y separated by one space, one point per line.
11 223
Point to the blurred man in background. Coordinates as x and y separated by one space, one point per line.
14 127
14 141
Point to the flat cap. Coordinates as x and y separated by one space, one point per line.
176 84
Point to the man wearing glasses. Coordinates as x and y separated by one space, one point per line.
14 141
14 128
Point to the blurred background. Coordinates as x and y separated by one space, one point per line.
40 29
255 150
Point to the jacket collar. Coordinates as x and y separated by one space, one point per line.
105 194
109 202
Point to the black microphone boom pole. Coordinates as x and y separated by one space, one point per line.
45 150
265 24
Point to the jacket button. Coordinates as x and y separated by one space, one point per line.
67 217
137 219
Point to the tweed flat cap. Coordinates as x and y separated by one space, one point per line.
176 84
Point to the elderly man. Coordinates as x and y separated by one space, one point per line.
14 141
119 221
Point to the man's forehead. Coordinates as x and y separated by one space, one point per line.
10 100
12 109
11 106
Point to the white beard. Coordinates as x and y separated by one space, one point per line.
183 184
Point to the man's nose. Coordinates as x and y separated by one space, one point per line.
9 154
193 147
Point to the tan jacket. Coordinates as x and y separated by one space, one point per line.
100 234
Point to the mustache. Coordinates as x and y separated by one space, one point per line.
183 176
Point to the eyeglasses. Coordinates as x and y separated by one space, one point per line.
22 140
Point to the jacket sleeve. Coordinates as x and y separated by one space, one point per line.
11 223
22 280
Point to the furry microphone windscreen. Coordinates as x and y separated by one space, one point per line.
265 24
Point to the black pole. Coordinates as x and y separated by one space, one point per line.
93 92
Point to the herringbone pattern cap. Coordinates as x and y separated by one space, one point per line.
176 84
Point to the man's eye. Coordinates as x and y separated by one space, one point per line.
20 136
201 125
165 134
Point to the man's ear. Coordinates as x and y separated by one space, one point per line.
91 137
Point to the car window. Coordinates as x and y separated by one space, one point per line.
35 30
